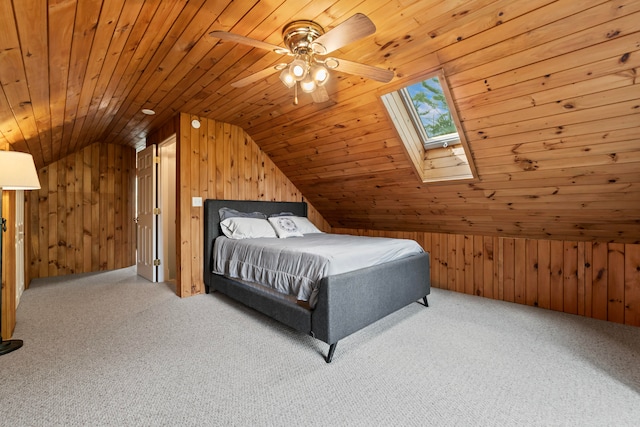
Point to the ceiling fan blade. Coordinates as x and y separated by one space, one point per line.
224 35
354 28
257 76
320 94
368 71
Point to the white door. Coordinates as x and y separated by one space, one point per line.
19 245
147 250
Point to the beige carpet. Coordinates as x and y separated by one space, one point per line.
112 349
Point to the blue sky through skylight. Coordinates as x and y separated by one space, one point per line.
428 114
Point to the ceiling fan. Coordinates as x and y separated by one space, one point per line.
308 44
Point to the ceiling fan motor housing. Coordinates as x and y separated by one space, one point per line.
299 37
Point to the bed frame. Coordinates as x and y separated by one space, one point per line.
346 302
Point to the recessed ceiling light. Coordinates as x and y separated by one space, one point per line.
148 112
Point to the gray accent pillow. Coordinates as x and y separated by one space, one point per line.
232 213
281 214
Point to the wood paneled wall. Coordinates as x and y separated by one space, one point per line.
219 161
599 280
8 265
82 217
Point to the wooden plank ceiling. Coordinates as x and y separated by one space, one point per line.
547 91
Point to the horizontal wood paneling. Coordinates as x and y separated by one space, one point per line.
82 217
218 161
598 280
546 91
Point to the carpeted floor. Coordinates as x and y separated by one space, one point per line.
112 349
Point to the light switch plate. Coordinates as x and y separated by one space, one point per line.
196 202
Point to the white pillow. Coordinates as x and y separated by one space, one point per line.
285 227
303 224
247 228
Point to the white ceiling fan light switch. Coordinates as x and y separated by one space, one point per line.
196 202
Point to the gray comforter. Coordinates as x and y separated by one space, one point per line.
295 266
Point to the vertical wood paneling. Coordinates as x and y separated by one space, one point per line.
86 209
96 183
118 241
451 261
460 265
508 272
531 286
570 285
51 229
8 258
40 220
615 289
111 193
183 212
83 214
520 271
468 264
588 279
556 284
197 136
61 226
478 275
632 284
103 206
599 280
443 260
435 259
497 265
544 274
580 272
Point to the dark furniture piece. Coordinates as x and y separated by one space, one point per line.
346 303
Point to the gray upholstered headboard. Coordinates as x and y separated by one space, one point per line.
212 220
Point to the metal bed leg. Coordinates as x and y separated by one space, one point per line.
332 348
424 298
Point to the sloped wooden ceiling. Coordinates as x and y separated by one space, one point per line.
547 91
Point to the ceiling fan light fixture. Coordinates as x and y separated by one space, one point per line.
307 43
307 84
298 69
287 79
319 74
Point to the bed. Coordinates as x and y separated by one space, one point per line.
346 302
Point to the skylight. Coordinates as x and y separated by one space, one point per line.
425 118
427 105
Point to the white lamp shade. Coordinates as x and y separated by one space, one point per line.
298 69
287 79
307 84
17 171
319 74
